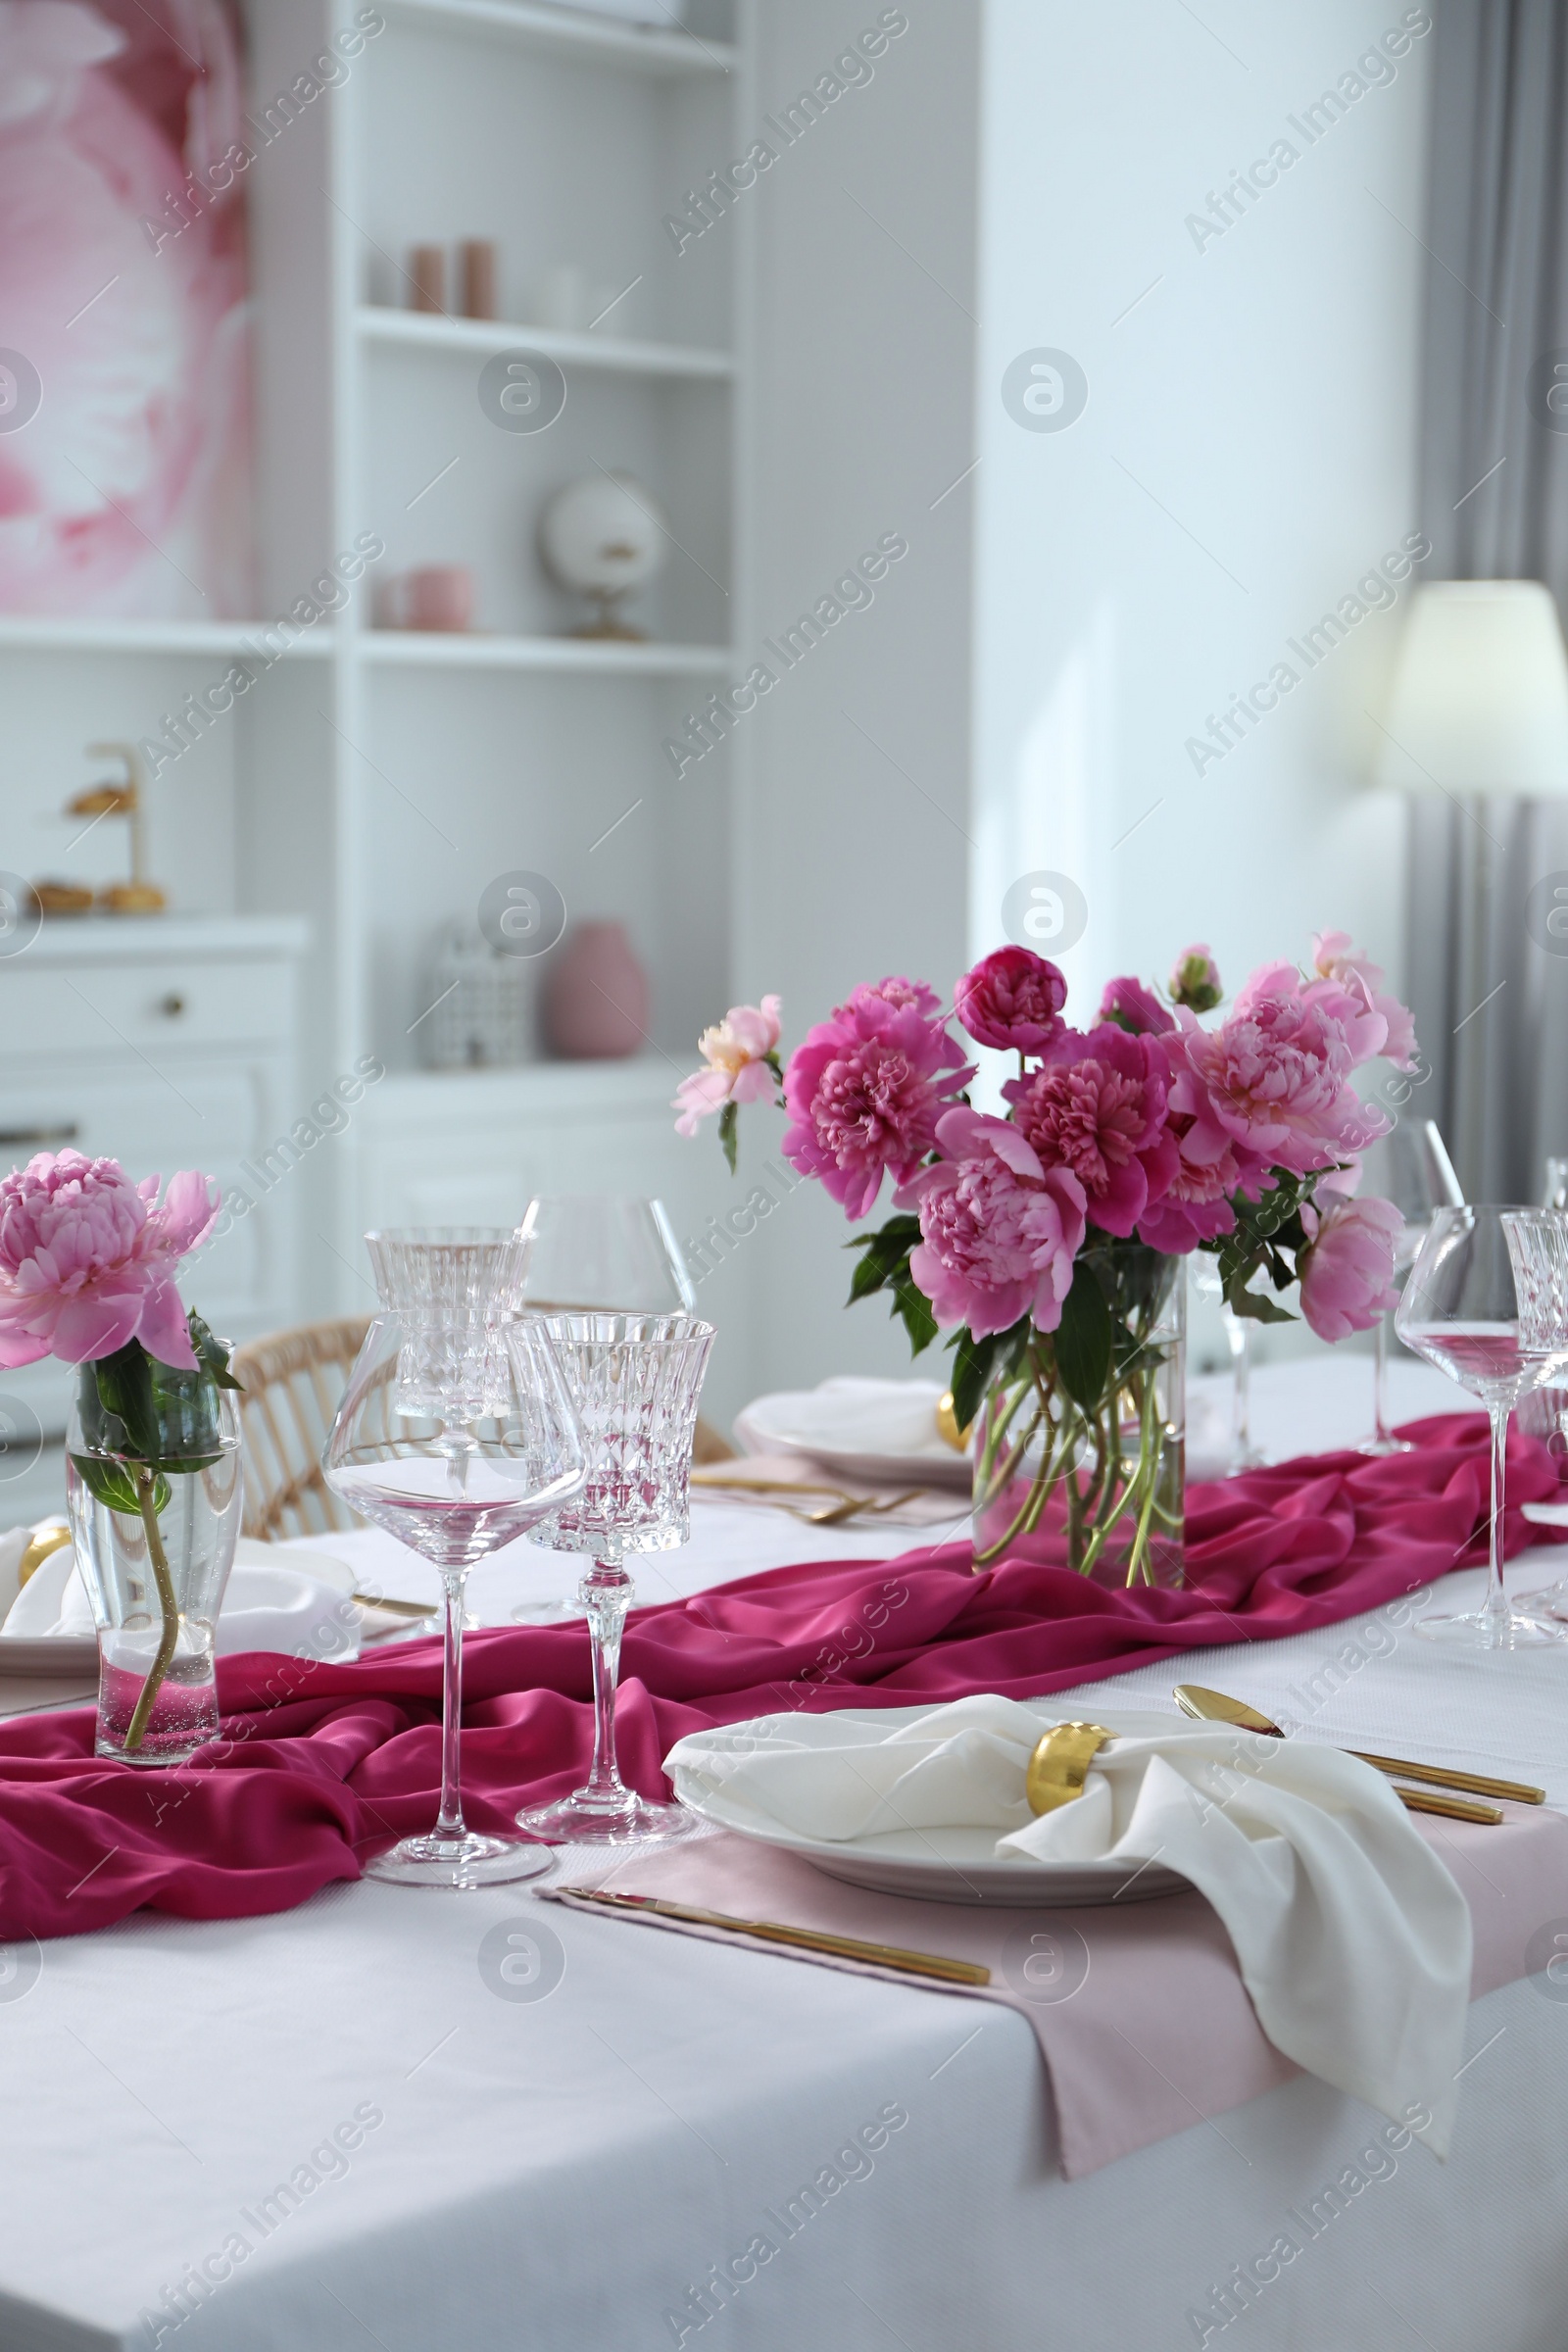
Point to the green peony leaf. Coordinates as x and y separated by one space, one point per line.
111 1484
1083 1339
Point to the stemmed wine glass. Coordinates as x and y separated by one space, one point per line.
613 1254
1538 1243
1242 1453
1461 1310
1410 1166
457 1432
605 1252
635 1381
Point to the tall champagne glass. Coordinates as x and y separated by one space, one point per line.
455 1434
635 1381
1410 1166
1461 1310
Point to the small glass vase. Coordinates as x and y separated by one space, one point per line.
1099 1485
156 1565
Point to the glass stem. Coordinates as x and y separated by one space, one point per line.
1380 1382
449 1822
1496 1605
607 1595
1240 1333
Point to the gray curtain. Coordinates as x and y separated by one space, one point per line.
1496 305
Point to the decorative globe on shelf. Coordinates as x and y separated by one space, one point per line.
603 536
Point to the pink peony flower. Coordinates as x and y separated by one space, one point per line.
87 1260
1275 1077
1134 1007
736 1051
867 1089
1334 958
1097 1107
998 1232
1012 999
1348 1273
1195 979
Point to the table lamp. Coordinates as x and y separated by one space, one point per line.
1478 712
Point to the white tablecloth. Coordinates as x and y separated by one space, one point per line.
563 2171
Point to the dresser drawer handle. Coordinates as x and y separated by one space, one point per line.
63 1134
171 1006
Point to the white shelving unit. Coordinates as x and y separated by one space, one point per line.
376 780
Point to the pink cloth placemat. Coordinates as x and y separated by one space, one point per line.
321 1765
1140 2011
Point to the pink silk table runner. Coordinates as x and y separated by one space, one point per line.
1140 2011
321 1764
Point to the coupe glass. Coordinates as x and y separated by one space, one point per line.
455 1434
1461 1311
1537 1241
1242 1453
1410 1166
609 1252
635 1381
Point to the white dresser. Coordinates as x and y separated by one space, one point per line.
165 1042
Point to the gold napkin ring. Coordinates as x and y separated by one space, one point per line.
46 1541
1059 1765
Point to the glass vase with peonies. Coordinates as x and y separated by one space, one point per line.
1047 1244
153 1485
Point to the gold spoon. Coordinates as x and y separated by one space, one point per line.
1215 1706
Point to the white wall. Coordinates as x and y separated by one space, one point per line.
1067 618
856 824
1245 455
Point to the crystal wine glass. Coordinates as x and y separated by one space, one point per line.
635 1381
1242 1453
1461 1311
611 1253
1410 1166
1538 1242
457 1433
605 1252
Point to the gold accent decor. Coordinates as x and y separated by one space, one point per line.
1061 1763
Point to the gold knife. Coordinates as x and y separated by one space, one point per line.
843 1947
1215 1706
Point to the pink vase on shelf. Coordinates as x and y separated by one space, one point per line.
596 998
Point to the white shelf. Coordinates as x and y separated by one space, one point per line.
76 939
23 633
433 330
582 656
643 1082
563 32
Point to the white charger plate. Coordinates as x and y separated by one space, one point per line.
955 1865
810 1422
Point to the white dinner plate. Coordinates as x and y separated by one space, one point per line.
47 1655
942 1866
835 1425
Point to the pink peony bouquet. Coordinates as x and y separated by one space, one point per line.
1045 1241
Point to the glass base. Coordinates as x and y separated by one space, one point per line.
568 1610
466 1861
1547 1601
1381 1446
580 1820
1479 1630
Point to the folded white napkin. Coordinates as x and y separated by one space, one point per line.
1353 1939
849 1414
270 1602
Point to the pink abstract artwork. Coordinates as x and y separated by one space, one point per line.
125 362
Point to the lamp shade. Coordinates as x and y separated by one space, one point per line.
1480 700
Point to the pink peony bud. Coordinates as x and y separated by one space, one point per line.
1012 999
1194 980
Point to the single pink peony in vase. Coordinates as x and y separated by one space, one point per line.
87 1260
998 1232
737 1052
1347 1272
1012 999
867 1089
